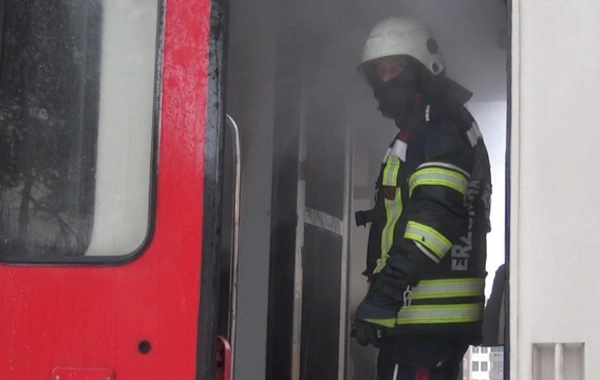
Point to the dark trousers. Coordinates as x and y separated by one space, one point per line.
420 358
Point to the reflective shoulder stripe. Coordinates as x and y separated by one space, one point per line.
422 314
387 153
393 210
448 288
431 239
439 177
399 149
474 134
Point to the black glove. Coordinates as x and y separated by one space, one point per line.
376 315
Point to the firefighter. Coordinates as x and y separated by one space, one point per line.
427 241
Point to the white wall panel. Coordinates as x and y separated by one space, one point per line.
555 185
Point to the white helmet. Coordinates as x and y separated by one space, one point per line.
400 36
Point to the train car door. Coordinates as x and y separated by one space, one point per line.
108 168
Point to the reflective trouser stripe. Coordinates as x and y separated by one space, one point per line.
393 209
421 314
428 237
448 288
452 178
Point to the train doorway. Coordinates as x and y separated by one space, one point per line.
311 143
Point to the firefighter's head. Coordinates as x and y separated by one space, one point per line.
401 62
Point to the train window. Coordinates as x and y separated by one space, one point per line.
77 95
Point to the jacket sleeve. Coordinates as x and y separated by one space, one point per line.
436 209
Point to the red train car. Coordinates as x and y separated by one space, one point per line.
111 119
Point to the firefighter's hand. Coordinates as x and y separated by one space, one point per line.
375 318
366 333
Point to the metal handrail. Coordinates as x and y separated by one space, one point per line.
235 259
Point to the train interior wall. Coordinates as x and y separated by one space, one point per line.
292 82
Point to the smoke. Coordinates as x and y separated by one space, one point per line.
292 68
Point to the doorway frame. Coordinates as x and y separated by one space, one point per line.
216 85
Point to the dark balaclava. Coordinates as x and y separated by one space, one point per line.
399 98
404 97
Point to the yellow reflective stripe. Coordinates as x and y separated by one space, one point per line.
421 314
427 253
428 237
440 177
448 288
390 171
389 323
436 164
393 209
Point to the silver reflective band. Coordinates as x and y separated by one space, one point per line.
463 287
428 237
399 149
390 172
439 177
440 314
393 210
426 252
474 134
443 165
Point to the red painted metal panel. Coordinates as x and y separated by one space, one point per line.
83 374
96 317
